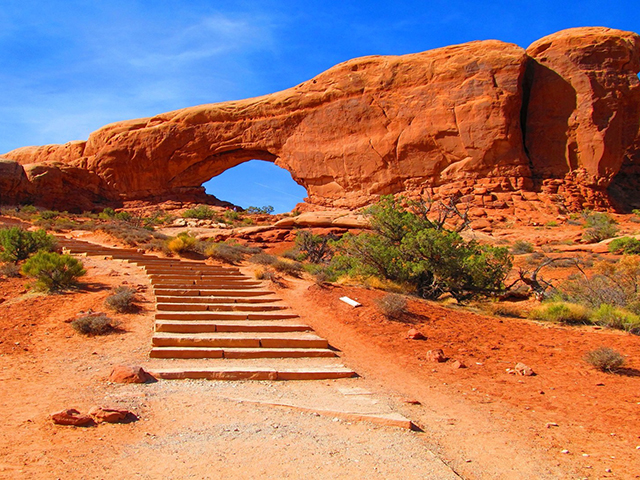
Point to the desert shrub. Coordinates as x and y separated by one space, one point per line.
129 234
201 212
248 221
182 243
263 259
17 244
122 299
627 245
293 254
616 284
53 271
231 215
605 359
521 246
599 226
315 248
9 270
615 317
49 214
409 248
228 253
561 312
265 275
93 324
503 309
392 305
123 216
288 267
107 213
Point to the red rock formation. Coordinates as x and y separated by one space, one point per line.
583 109
448 118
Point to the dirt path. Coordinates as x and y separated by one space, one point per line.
186 429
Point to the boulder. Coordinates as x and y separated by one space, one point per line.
129 374
71 416
109 415
414 334
436 356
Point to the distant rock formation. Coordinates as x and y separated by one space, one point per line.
487 120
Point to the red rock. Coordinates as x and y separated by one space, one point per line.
448 119
456 364
521 369
436 356
71 416
414 334
584 103
109 415
129 374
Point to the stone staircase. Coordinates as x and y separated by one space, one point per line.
215 322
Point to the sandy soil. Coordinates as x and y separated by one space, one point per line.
478 421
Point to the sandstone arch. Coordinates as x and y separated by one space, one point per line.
455 119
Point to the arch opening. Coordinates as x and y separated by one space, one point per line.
257 183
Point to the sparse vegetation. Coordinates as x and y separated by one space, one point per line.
561 312
229 252
605 359
9 270
615 317
625 245
94 324
288 267
201 212
521 247
599 226
182 243
263 259
17 244
122 300
52 271
392 305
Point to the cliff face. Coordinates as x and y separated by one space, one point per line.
448 120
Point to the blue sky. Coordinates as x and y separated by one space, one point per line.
69 67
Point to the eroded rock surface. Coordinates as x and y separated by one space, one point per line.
450 119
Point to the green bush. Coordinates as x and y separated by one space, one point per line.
17 244
605 359
231 215
49 214
561 312
409 248
201 212
9 270
599 226
520 247
122 299
93 324
615 317
53 271
627 245
315 248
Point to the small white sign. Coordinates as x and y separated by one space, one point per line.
350 301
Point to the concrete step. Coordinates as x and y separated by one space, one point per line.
198 276
210 299
252 373
218 307
240 340
177 326
188 316
212 283
195 288
207 292
238 353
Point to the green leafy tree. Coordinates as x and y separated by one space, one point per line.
53 271
408 246
17 244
